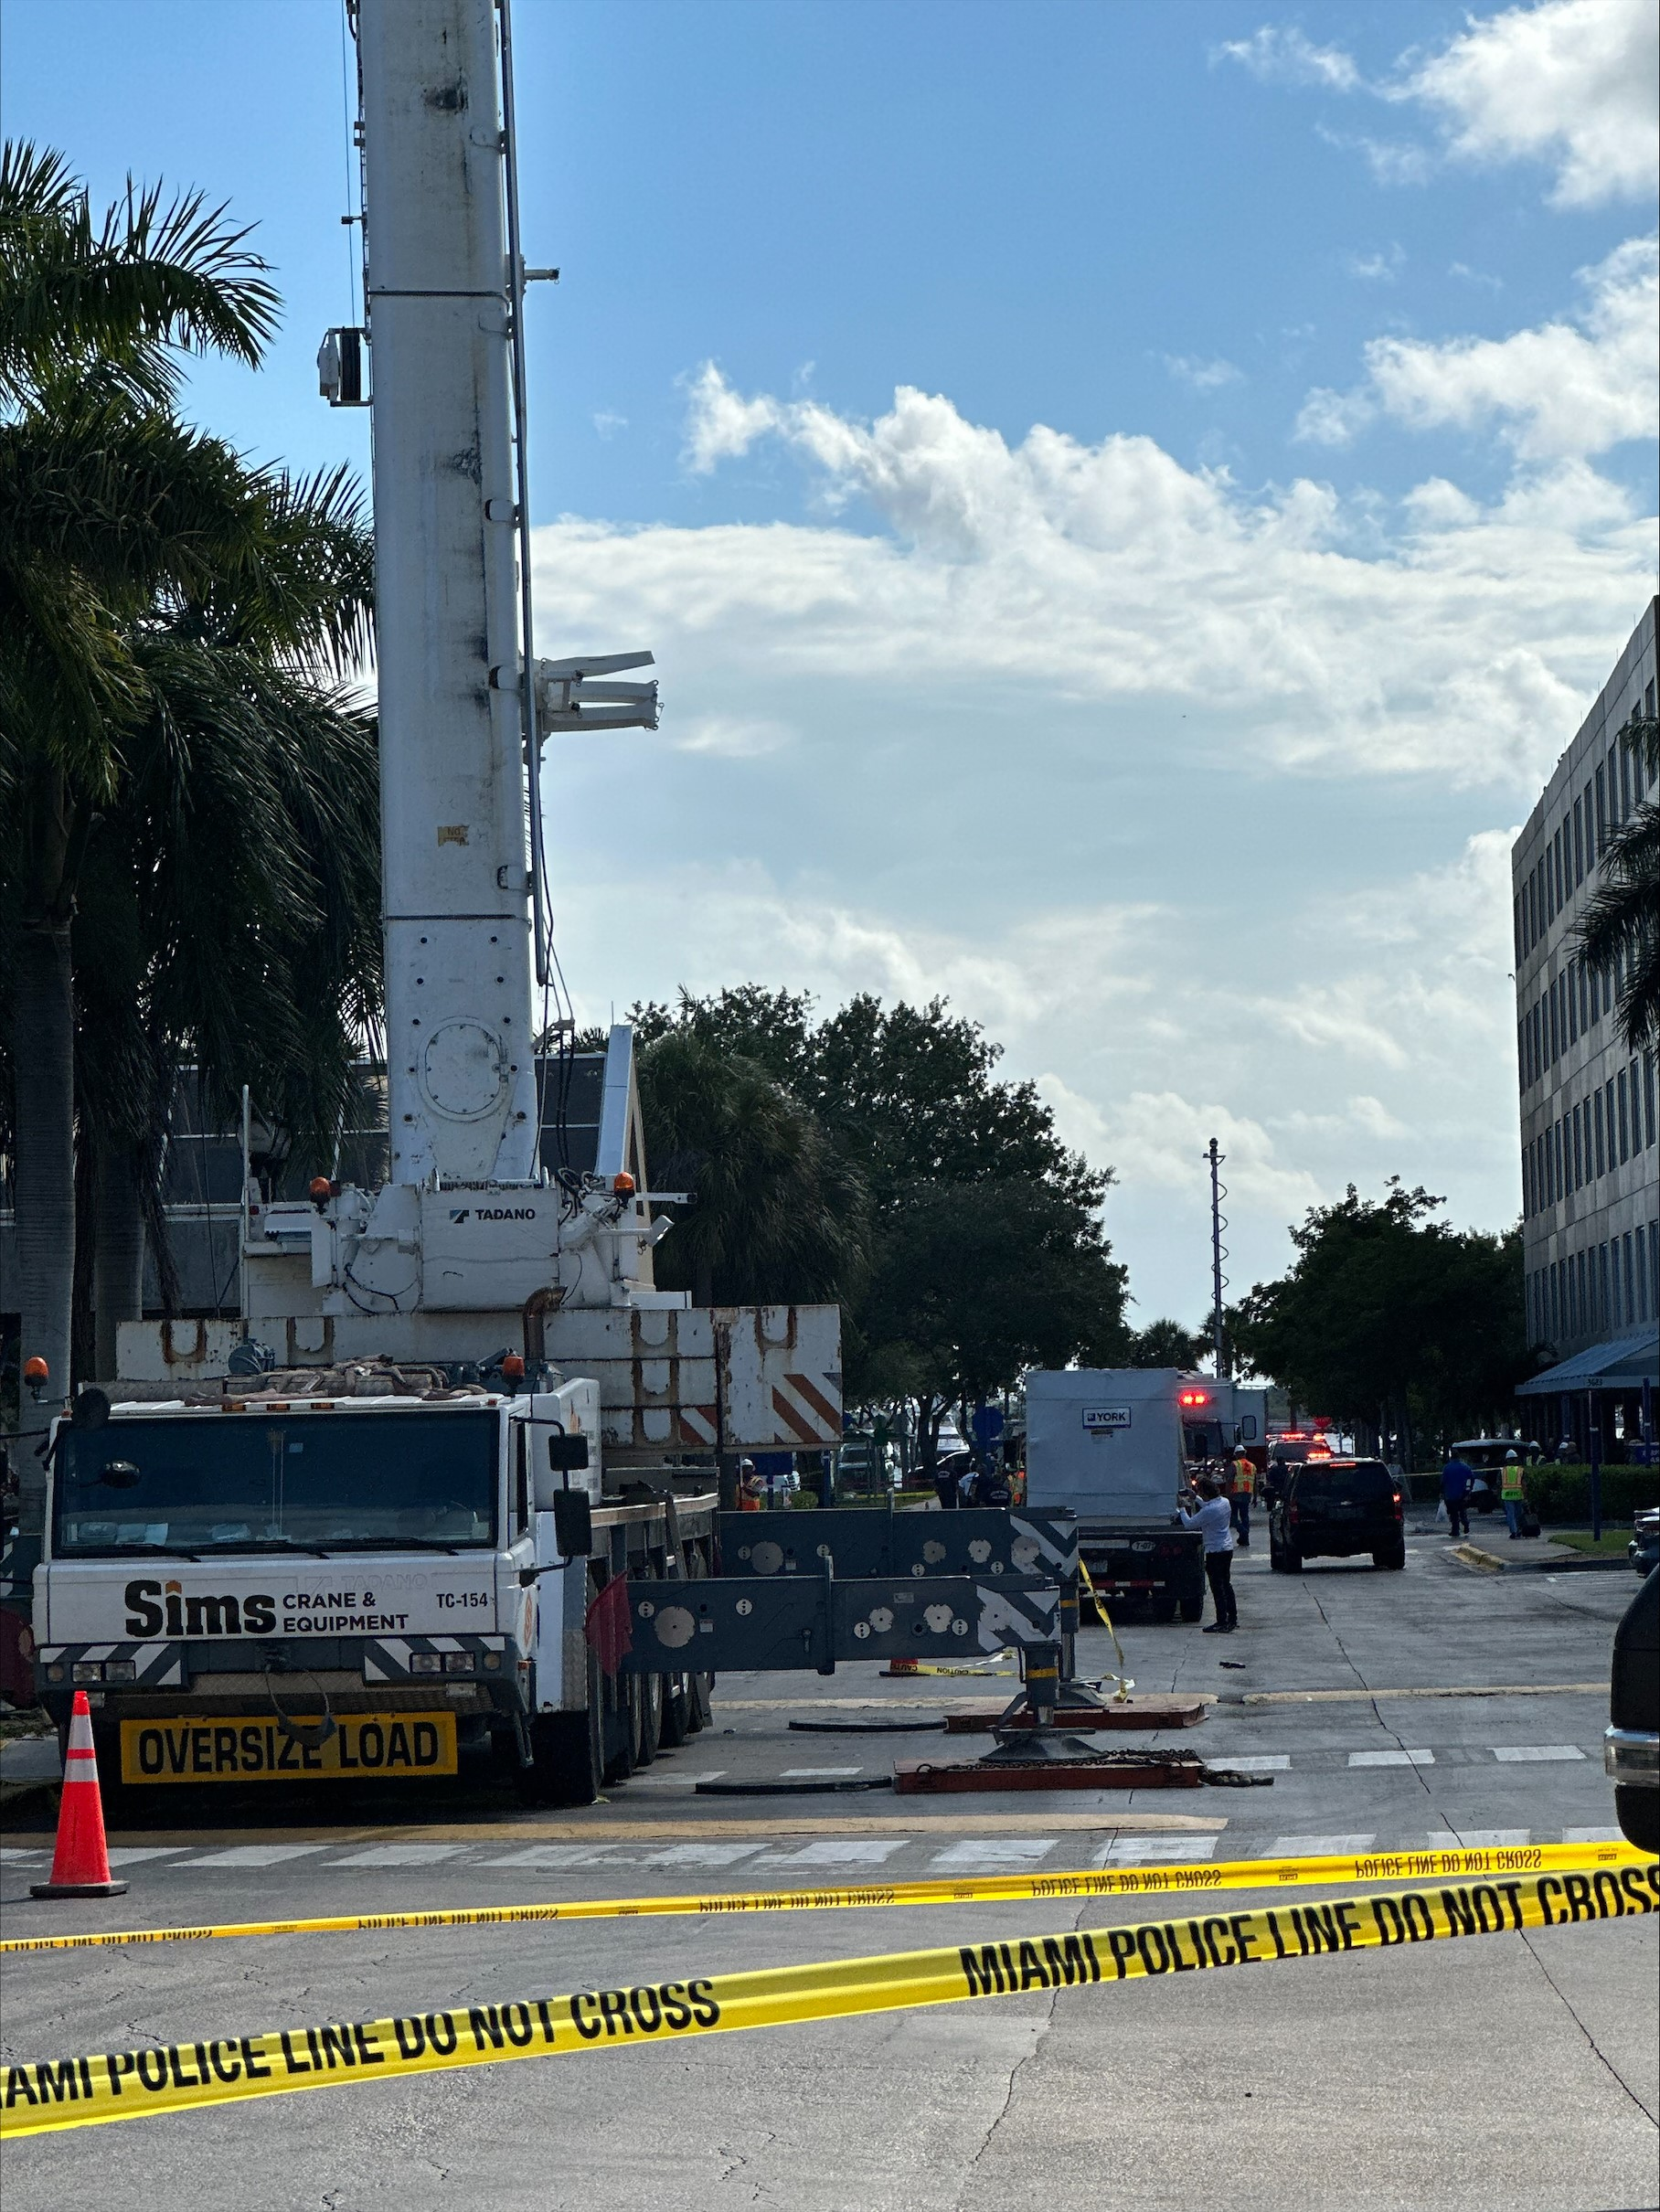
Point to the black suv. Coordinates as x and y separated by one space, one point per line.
1335 1508
1632 1747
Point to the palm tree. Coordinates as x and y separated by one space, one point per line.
132 549
1620 933
779 1214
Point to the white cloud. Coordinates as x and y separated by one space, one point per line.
1201 376
1572 83
1566 388
607 423
1381 268
1453 638
1280 54
1568 82
719 425
730 737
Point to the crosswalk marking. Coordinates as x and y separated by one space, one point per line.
1391 1759
993 1854
1518 1754
1156 1850
1319 1846
8 1852
256 1854
674 1782
707 1856
816 1773
841 1851
1481 1839
135 1855
1594 1836
401 1855
1263 1762
554 1858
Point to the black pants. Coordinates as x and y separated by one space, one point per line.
1219 1573
1458 1518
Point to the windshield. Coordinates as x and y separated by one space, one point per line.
315 1483
1364 1483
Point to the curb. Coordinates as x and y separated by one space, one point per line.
1483 1562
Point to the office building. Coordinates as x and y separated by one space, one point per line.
1590 1159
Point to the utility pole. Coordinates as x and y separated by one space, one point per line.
1217 1253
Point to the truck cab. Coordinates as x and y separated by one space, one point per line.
271 1586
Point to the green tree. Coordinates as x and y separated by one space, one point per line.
778 1215
145 572
1391 1319
1620 932
968 1186
1165 1343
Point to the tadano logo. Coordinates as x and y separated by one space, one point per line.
460 1213
492 1213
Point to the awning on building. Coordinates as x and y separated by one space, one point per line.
1626 1363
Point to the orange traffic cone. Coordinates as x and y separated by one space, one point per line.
81 1864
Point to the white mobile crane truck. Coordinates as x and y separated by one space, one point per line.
377 1543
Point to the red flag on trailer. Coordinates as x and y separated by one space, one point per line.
608 1627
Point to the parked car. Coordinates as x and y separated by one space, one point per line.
1292 1448
1644 1550
1486 1456
1632 1745
1337 1508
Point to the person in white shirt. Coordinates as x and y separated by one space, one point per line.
1214 1521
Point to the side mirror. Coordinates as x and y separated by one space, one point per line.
573 1524
567 1454
119 1474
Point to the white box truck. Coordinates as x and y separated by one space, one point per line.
1113 1445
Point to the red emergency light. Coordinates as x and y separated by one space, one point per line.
1194 1398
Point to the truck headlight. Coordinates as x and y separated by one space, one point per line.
460 1662
121 1670
425 1663
87 1670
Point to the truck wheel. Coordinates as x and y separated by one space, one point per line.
703 1702
1292 1558
677 1710
648 1718
621 1726
1637 1810
566 1753
1193 1609
1394 1558
1163 1608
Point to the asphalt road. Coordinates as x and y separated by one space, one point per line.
1517 2072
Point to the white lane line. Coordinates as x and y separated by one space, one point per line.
554 1858
1480 1839
699 1854
993 1854
1594 1836
1518 1754
1156 1850
401 1855
841 1851
136 1854
256 1855
1319 1846
8 1852
817 1774
1391 1759
1263 1762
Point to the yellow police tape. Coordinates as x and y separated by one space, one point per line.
980 1889
174 2077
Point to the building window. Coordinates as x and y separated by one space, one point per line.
1602 813
1595 1102
1624 1149
1648 1095
1573 1007
1630 1306
1642 1274
1583 975
1603 1309
1625 781
1579 848
1578 1164
1585 1321
1515 926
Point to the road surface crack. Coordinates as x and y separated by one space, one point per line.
1015 2070
1653 2119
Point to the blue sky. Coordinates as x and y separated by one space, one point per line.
1270 486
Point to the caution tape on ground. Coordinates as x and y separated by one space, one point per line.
87 2091
982 1889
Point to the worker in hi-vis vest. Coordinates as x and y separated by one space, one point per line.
1244 1481
1513 1493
